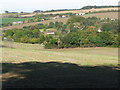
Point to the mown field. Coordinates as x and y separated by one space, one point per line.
32 66
19 52
10 20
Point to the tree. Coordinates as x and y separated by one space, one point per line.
6 11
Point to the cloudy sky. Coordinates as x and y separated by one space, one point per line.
31 5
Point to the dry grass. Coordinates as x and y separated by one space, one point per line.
79 11
74 11
82 56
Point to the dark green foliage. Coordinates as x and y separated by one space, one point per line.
52 43
71 40
112 26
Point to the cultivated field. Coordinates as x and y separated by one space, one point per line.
8 20
80 11
112 15
19 52
73 11
61 12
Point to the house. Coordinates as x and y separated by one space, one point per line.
18 22
49 33
64 16
80 14
112 19
99 30
91 26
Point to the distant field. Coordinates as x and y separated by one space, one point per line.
112 15
8 20
74 11
83 56
61 12
79 11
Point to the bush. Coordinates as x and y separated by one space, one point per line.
34 40
24 40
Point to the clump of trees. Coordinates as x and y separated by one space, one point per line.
77 32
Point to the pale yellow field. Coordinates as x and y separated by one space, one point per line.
79 11
83 56
61 12
112 15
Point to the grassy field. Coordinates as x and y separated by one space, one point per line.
10 20
83 56
32 66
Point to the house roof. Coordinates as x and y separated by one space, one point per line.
91 26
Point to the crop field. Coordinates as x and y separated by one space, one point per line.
112 15
9 20
30 65
79 11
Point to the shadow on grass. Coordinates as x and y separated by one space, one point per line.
59 75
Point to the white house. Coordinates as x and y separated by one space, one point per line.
113 19
18 22
80 14
64 16
49 32
99 30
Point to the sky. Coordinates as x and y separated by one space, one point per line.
31 5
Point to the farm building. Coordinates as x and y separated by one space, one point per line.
64 16
50 32
99 30
16 23
80 14
91 26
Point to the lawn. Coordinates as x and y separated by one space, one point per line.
32 66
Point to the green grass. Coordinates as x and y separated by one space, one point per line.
82 56
9 20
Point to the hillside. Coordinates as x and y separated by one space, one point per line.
112 15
